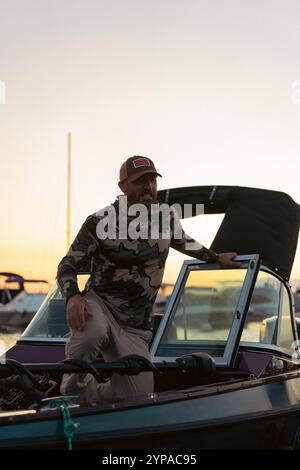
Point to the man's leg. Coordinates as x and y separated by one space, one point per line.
103 333
124 341
86 345
130 341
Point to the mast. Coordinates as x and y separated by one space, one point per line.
68 228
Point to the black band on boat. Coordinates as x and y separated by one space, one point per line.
87 367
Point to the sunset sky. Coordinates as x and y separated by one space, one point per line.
209 90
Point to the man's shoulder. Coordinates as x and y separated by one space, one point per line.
93 219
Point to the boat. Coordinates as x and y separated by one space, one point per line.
20 299
224 354
11 284
162 298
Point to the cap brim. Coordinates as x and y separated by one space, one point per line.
144 172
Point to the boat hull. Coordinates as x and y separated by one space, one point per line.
259 417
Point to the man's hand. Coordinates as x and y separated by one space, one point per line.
78 309
226 259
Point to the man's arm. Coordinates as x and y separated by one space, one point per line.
79 254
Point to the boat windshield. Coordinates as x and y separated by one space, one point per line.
50 320
203 313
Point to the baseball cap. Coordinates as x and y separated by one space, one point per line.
137 166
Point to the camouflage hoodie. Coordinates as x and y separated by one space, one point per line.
125 273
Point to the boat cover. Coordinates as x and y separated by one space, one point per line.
256 221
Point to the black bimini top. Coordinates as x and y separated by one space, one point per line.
256 221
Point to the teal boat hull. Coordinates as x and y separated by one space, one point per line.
257 416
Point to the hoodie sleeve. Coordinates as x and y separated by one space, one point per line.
79 254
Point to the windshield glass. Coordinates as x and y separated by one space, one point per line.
262 317
202 318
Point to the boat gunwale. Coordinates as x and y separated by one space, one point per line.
160 398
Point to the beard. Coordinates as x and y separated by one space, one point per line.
147 198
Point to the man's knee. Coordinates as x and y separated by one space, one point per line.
87 342
94 337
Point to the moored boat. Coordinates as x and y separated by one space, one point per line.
23 304
224 356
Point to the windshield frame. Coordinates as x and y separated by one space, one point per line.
252 263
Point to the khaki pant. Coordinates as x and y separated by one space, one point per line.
103 333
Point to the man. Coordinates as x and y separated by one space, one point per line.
111 316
